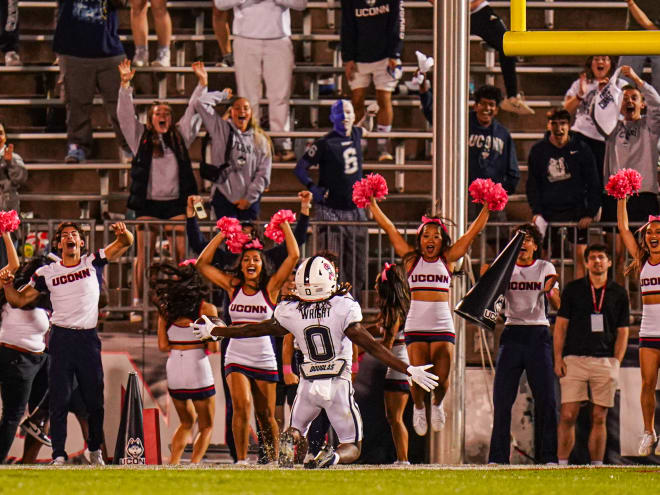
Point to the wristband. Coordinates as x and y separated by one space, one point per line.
286 369
355 367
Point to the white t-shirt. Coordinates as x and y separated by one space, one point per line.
524 300
584 124
319 328
24 328
74 290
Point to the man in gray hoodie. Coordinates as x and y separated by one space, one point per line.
633 144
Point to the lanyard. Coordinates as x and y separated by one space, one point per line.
598 308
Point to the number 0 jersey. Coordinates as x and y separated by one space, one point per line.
319 328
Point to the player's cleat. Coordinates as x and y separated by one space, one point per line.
419 421
287 450
438 417
34 430
646 444
96 458
58 461
324 459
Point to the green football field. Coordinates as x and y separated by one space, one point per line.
345 481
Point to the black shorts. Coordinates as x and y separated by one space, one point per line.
162 210
565 216
639 208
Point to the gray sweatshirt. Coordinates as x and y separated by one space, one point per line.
13 174
634 144
164 174
261 19
250 161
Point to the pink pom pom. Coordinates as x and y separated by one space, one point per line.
372 186
235 238
634 179
273 230
191 261
487 192
9 221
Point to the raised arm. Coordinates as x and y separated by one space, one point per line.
130 126
190 123
640 16
13 263
21 298
624 230
124 240
400 245
210 272
282 274
461 246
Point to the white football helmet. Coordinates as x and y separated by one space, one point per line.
316 279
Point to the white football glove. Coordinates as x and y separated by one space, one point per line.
419 375
202 328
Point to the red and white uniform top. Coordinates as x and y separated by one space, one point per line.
524 299
431 276
183 335
649 279
74 290
249 309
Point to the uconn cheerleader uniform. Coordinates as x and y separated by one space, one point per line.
395 381
252 356
649 331
429 321
189 374
21 356
74 346
525 345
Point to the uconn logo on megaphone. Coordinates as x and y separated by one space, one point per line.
497 309
134 452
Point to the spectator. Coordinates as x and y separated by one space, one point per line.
633 144
562 182
338 155
241 157
140 30
89 50
9 32
590 340
486 24
222 33
223 258
161 173
13 174
492 152
578 99
371 42
526 345
643 14
263 50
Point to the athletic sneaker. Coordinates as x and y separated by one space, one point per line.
58 461
141 57
287 450
162 58
242 462
645 446
516 104
401 463
438 417
419 421
75 154
96 458
324 459
227 60
34 430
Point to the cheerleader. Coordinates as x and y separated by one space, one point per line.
393 302
646 255
180 297
250 363
429 328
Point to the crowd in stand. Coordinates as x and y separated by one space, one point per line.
567 172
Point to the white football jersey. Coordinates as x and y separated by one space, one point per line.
74 290
525 299
319 328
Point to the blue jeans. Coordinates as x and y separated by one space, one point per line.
224 208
